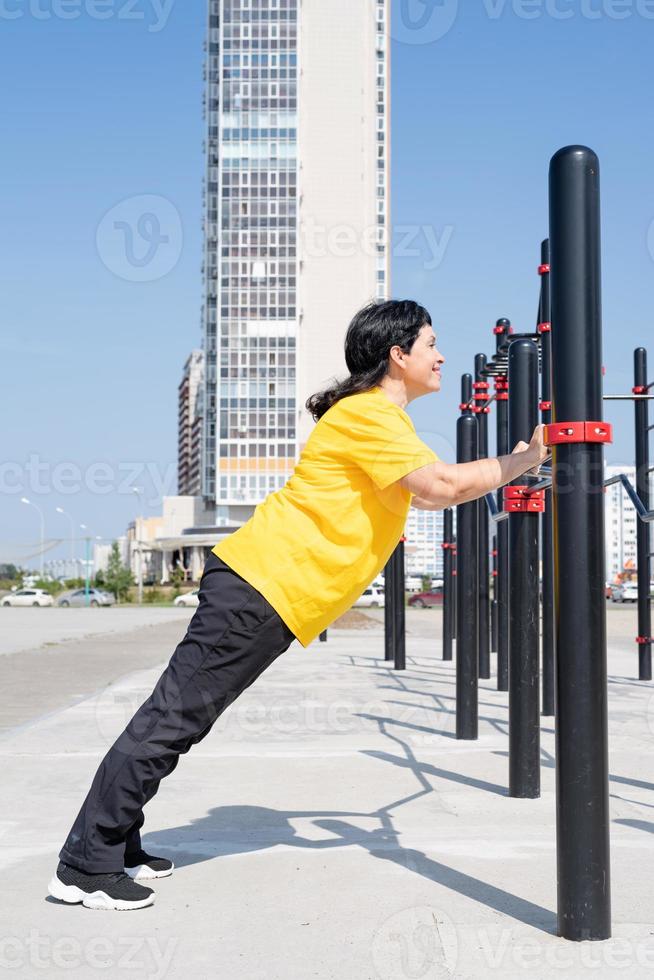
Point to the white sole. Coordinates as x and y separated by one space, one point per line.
142 872
93 900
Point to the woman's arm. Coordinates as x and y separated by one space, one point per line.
421 504
447 485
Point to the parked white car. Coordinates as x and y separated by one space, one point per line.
188 599
77 597
28 597
372 596
625 592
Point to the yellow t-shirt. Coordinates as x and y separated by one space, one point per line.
313 546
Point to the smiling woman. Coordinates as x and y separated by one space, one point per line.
302 560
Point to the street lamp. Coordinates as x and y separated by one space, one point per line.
139 576
60 510
24 500
87 563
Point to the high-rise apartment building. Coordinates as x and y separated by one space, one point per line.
424 538
189 422
296 224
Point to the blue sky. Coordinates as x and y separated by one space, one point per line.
107 111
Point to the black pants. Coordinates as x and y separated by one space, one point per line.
232 637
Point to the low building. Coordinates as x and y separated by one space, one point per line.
181 537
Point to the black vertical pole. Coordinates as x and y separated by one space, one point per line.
454 590
524 721
447 584
584 904
400 608
481 408
467 580
389 608
494 602
502 331
643 536
547 555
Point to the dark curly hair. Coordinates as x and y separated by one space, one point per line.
376 328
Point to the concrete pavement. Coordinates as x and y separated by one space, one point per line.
25 628
330 826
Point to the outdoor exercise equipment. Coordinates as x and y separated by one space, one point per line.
481 410
467 578
523 510
448 582
544 329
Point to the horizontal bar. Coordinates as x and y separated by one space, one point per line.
641 510
631 398
487 401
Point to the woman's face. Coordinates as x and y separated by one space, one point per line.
422 366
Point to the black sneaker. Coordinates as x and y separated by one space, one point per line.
141 865
111 890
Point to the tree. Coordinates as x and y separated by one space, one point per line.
118 578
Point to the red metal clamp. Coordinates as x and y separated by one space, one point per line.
545 406
544 327
501 389
568 432
639 390
519 500
644 639
542 269
466 407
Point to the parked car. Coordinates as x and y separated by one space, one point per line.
434 597
625 592
28 597
188 599
97 597
372 596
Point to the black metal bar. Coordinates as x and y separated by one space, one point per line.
547 553
583 863
502 331
400 608
641 421
524 706
467 583
484 597
629 398
494 602
389 608
643 513
447 583
454 593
